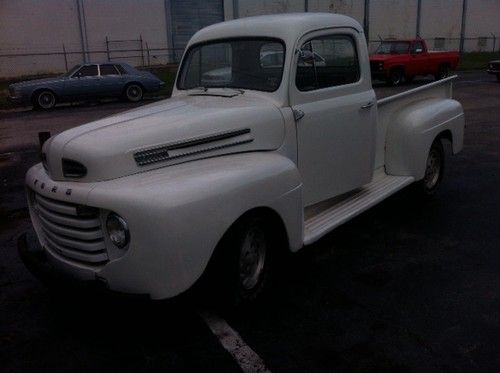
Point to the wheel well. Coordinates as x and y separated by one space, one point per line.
446 134
273 220
398 67
134 82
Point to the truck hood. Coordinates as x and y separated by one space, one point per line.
35 82
172 131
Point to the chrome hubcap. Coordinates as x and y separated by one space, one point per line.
134 92
46 100
432 170
252 258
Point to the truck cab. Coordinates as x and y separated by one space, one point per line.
272 138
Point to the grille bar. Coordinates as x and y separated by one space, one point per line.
69 230
78 255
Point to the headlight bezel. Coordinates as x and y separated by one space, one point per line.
117 230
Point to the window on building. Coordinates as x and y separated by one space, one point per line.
439 43
108 69
327 61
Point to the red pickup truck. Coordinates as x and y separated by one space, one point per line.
398 60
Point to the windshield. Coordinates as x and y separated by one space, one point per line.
393 47
255 64
73 70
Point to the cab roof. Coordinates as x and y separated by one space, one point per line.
288 27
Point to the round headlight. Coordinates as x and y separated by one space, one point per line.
117 230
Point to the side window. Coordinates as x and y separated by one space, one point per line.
108 70
327 61
121 69
88 70
418 47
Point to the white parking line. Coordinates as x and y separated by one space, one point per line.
246 358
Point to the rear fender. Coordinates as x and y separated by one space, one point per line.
413 129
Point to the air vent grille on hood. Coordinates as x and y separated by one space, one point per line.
192 147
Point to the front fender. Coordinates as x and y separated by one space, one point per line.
412 131
178 214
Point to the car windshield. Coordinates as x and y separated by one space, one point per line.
393 47
73 70
255 64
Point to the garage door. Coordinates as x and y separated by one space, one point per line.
188 16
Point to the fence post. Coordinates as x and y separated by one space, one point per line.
65 58
147 54
462 28
366 20
107 48
494 41
142 50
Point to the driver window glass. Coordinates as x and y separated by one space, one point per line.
327 61
90 70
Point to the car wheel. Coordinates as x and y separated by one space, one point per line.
395 77
443 72
45 100
134 92
434 169
242 263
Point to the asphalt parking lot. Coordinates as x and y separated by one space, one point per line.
410 286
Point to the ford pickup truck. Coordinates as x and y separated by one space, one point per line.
212 185
397 60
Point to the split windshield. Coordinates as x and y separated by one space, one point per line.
255 64
393 48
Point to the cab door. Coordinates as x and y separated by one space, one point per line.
419 61
335 110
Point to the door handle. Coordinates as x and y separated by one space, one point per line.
298 114
368 105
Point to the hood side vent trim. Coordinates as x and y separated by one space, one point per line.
169 152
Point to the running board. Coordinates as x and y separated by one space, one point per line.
338 212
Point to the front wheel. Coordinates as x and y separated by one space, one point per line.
44 100
134 93
443 72
434 169
242 262
395 77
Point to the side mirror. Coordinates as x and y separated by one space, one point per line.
306 56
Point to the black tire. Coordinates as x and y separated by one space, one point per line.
133 92
443 72
395 77
434 170
239 269
498 77
44 100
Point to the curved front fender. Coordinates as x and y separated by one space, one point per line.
178 214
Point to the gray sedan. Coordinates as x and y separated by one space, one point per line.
87 81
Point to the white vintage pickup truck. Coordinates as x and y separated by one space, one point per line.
272 138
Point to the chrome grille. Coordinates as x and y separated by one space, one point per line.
70 230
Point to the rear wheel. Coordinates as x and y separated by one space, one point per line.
434 169
443 72
133 92
395 77
44 100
